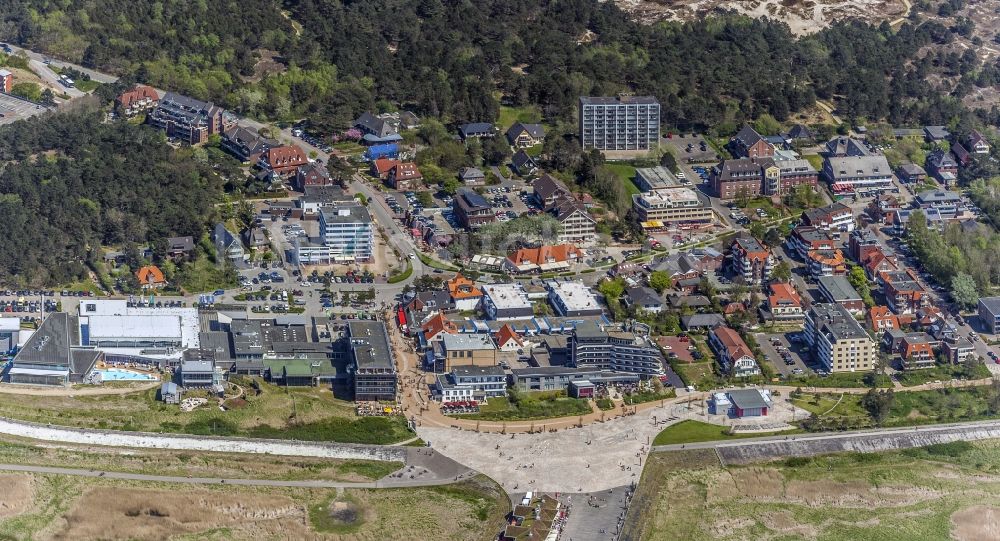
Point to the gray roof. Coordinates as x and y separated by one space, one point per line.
380 127
644 296
618 100
838 288
937 132
370 344
747 136
834 320
991 303
168 388
912 169
847 146
471 173
181 243
196 366
474 127
468 370
50 344
702 320
471 200
325 194
930 197
354 214
747 399
480 342
589 329
534 130
521 160
859 166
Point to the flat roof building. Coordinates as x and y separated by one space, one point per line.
625 125
650 179
506 301
573 299
837 340
838 289
372 361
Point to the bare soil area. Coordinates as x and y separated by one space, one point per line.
802 16
978 523
132 513
16 494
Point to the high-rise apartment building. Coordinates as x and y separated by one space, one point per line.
622 124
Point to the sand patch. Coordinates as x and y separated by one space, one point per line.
16 494
128 513
977 523
785 524
822 492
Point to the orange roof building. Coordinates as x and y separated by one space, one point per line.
437 326
140 98
784 301
382 166
508 339
544 258
150 276
464 292
283 160
880 319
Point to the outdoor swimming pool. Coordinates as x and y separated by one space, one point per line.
119 374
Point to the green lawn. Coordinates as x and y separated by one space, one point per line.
814 160
940 373
531 406
305 413
694 431
838 379
427 260
701 374
649 396
396 278
626 173
529 114
86 86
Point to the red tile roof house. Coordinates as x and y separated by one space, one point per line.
139 99
283 160
880 319
405 176
382 166
734 356
150 277
784 302
916 353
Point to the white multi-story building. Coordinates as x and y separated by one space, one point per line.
506 301
671 205
347 235
573 299
471 383
625 124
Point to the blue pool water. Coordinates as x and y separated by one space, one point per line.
117 374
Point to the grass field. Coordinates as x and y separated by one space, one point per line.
941 492
814 160
58 507
700 374
529 114
625 173
838 379
200 464
309 413
689 431
942 372
531 406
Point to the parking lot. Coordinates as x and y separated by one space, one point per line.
786 356
692 148
12 109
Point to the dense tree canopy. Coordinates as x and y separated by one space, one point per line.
460 59
71 183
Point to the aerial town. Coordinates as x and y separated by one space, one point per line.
269 294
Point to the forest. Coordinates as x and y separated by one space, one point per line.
71 183
458 60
